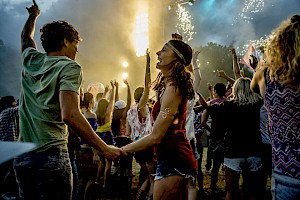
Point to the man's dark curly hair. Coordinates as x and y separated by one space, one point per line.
53 34
178 75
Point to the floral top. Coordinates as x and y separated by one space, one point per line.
139 128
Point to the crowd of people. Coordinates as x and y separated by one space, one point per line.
253 123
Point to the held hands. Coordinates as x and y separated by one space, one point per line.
113 153
34 9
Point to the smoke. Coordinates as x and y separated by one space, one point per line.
107 26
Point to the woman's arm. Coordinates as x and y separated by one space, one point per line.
209 87
145 97
170 101
222 74
235 64
111 100
197 73
258 84
117 91
128 104
202 102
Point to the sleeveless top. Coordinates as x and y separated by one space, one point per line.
174 147
283 105
139 129
190 116
104 128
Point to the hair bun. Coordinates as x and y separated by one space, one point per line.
295 19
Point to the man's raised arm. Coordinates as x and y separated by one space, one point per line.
29 27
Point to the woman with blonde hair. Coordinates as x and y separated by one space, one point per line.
242 139
104 116
278 81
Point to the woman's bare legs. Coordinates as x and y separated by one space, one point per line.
106 171
170 188
151 170
232 184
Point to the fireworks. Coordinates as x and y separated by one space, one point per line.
184 26
257 44
251 7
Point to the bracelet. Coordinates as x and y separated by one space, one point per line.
196 68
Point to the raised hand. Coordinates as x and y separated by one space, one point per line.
113 83
106 89
209 86
34 9
148 56
195 55
116 83
221 73
126 82
232 51
253 63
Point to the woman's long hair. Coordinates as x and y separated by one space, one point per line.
282 53
180 77
101 111
87 99
242 94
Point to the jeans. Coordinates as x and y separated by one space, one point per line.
44 176
284 187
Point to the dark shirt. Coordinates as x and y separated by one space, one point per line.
242 128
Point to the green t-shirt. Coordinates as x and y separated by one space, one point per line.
43 77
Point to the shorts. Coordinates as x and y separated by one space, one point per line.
166 168
47 175
107 137
251 164
144 156
284 187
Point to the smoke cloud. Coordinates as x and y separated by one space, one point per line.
107 27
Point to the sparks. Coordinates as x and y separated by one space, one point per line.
251 7
184 26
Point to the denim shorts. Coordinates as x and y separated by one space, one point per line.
46 175
165 169
251 164
284 187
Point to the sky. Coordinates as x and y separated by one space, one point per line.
107 26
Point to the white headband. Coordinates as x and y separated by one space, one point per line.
176 51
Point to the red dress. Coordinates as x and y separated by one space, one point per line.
174 146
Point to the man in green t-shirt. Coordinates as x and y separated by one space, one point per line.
49 102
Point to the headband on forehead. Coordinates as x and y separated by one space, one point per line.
176 51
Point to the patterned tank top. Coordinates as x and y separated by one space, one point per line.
283 105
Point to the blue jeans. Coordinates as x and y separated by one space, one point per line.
284 187
44 176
